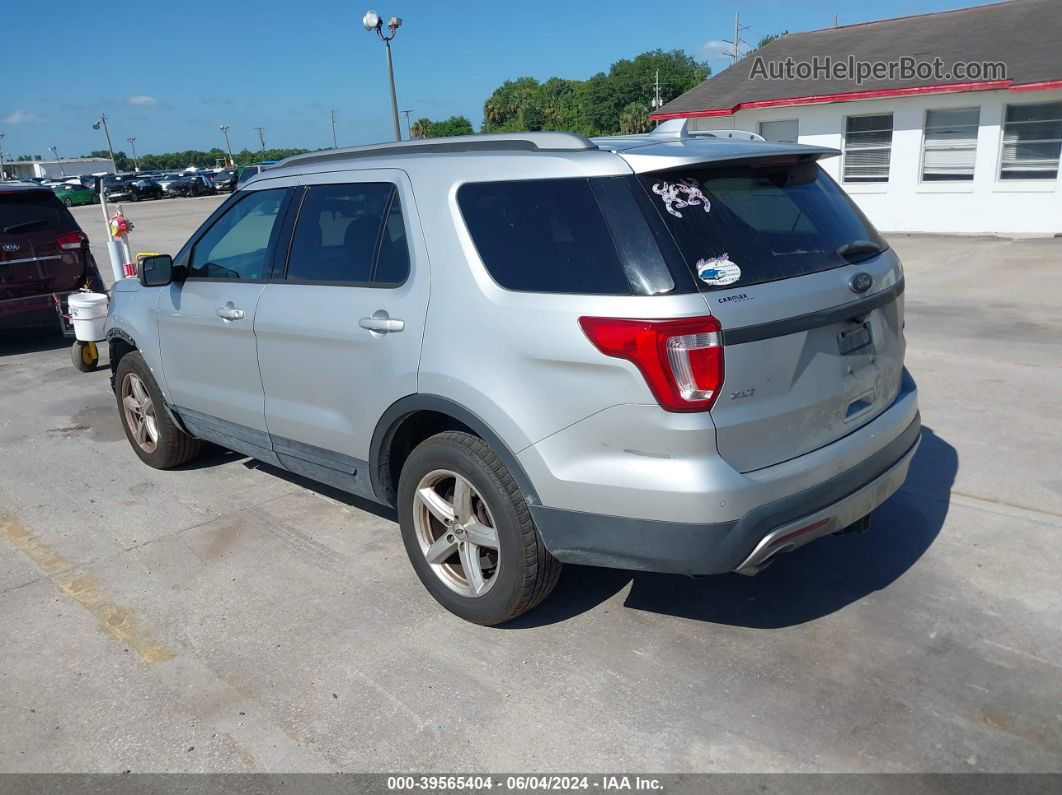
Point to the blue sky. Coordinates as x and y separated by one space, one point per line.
170 73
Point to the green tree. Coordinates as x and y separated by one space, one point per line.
421 128
455 125
635 119
593 106
771 37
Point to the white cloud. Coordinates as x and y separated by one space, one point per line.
716 49
143 100
22 117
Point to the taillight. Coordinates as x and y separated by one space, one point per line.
70 241
681 360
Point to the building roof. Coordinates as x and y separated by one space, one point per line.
1022 34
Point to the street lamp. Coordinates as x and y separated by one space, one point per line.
225 131
373 21
59 160
95 126
132 144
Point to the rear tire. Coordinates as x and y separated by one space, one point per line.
513 570
155 437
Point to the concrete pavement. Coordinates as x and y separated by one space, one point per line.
232 617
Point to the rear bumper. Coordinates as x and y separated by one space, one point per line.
779 520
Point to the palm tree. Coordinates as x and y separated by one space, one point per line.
422 128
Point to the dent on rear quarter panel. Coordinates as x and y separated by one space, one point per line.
133 310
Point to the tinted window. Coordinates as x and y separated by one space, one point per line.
237 245
337 233
772 222
392 262
544 236
23 212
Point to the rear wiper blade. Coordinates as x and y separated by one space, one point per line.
23 226
859 249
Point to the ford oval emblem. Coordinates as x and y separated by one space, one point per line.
11 246
860 282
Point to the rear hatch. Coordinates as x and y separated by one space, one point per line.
41 246
808 295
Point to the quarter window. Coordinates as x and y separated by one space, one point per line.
867 148
950 148
237 245
546 236
1032 139
352 233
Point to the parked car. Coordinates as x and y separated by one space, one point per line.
130 187
225 180
246 172
74 194
44 256
536 372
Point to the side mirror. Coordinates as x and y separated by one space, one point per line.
156 271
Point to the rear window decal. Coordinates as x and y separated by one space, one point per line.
718 271
671 192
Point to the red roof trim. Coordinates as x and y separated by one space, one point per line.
949 88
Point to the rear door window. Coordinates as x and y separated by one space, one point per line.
350 234
747 224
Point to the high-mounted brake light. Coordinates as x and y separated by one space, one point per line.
71 241
681 360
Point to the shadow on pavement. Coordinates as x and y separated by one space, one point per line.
802 586
14 342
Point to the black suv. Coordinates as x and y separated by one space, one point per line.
44 256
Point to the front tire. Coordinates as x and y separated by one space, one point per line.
468 531
154 436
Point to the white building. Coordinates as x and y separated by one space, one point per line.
924 155
71 167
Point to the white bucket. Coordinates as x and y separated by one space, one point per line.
88 312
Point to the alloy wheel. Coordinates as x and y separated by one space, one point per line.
139 411
456 532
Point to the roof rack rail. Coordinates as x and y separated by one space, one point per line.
495 142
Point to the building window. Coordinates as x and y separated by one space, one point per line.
785 132
867 146
1032 139
950 146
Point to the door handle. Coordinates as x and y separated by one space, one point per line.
229 312
381 323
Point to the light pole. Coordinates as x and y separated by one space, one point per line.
334 144
409 128
261 137
59 160
96 125
225 131
2 156
373 21
132 145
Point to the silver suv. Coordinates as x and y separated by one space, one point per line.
672 352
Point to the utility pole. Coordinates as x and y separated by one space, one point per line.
132 144
657 99
409 128
103 120
738 27
261 137
334 144
2 156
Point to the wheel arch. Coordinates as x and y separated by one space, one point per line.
414 418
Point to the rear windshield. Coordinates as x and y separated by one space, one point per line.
747 224
24 212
